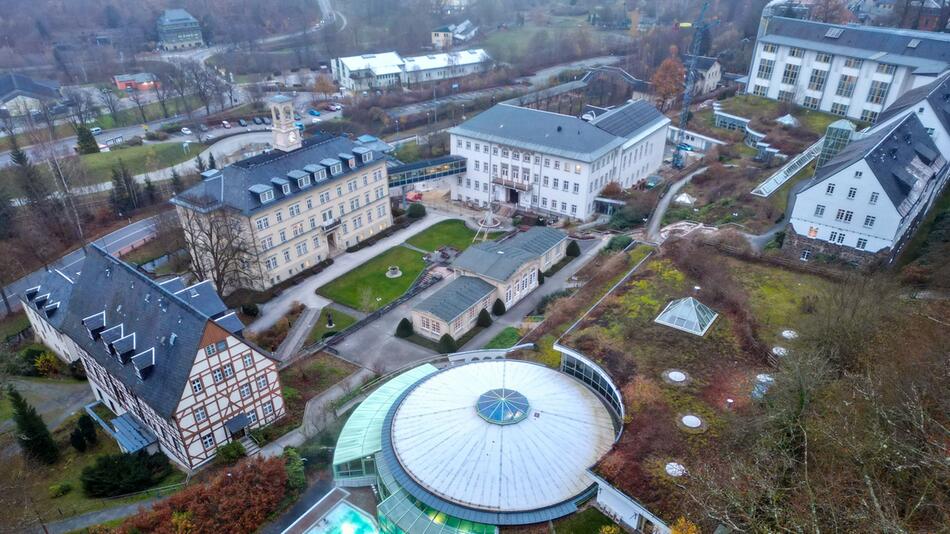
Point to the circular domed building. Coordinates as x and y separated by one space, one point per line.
477 445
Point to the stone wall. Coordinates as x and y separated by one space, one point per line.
795 243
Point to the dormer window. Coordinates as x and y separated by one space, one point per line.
351 162
303 182
285 188
367 157
336 169
321 175
267 196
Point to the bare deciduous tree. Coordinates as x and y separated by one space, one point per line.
219 245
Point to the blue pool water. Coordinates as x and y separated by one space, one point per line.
344 519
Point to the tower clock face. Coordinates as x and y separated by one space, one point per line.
292 137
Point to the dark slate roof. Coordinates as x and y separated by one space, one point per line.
13 85
51 298
538 239
499 260
160 320
887 45
703 63
539 131
456 297
629 120
176 16
937 93
259 173
889 152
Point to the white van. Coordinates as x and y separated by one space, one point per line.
95 130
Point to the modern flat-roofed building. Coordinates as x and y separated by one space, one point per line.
289 209
848 70
142 81
168 360
543 162
389 69
507 270
179 30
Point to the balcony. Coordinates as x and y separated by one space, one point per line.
330 225
511 184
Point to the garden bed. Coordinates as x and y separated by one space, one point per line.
507 338
367 288
271 338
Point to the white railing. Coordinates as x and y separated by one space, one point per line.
772 183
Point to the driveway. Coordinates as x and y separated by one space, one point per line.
376 347
54 400
305 292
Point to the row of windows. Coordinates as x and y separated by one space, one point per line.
823 57
518 156
263 223
302 248
208 442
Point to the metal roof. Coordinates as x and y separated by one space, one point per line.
456 297
362 433
499 260
936 93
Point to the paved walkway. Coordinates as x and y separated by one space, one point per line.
653 227
298 333
305 292
98 517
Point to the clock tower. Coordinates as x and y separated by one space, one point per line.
286 135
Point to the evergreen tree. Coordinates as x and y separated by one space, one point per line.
200 163
498 308
212 164
125 196
77 440
88 428
85 141
484 319
32 434
404 328
152 195
6 212
447 344
540 277
177 185
573 249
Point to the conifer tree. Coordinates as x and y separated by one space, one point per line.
32 434
85 141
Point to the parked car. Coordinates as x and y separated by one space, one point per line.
314 120
203 127
95 130
226 124
242 122
313 112
258 120
336 107
299 125
266 120
186 131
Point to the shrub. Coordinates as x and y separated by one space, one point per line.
573 249
251 309
416 211
58 490
76 370
87 426
540 277
237 501
404 328
293 463
47 364
290 394
484 319
77 440
447 344
230 453
498 308
619 242
32 434
119 474
549 298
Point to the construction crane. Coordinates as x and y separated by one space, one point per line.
699 28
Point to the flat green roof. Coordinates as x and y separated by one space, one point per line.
362 433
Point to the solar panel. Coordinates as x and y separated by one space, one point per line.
913 43
834 33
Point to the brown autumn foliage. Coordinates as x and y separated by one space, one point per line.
237 500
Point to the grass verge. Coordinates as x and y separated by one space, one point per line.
320 329
452 233
504 339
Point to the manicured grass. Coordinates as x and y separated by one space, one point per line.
587 521
446 233
505 339
366 288
13 324
147 252
138 159
340 321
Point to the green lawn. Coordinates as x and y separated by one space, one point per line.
505 339
147 252
6 410
13 324
366 288
587 521
340 321
153 111
779 198
138 159
452 233
513 44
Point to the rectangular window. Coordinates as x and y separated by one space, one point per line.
200 414
811 102
769 48
805 255
852 192
248 360
790 75
869 221
280 216
245 391
760 90
796 52
823 58
846 85
785 96
839 109
228 370
861 244
294 210
819 210
263 223
208 441
884 68
816 82
210 350
262 382
196 385
868 116
268 408
830 189
252 417
853 63
874 197
766 66
217 375
878 92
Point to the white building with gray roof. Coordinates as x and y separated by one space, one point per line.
848 70
543 162
485 272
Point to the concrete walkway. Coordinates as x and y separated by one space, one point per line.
298 333
653 227
305 292
98 517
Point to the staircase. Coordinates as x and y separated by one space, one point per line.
250 446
